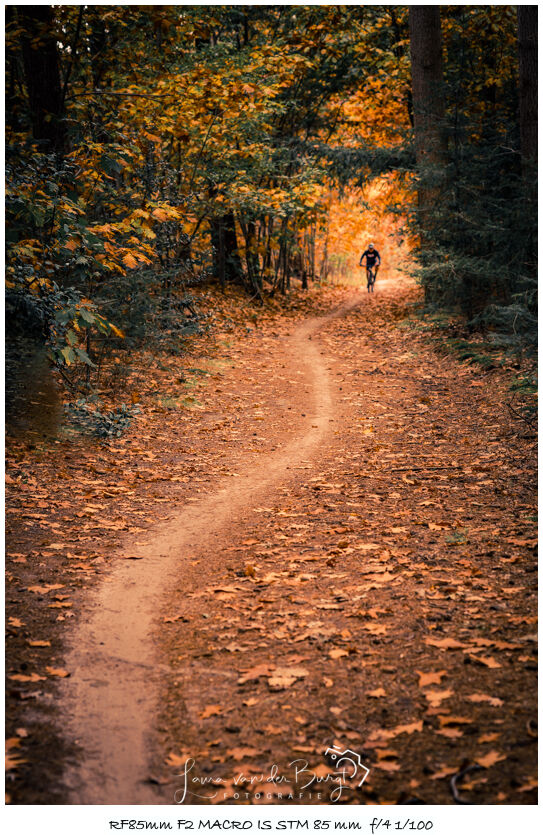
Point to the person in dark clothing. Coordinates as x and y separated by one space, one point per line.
373 260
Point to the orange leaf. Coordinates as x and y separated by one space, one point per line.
477 698
430 678
210 710
21 677
444 643
486 662
435 697
337 653
490 759
129 260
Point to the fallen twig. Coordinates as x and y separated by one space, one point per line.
455 779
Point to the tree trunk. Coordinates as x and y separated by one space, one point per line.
428 104
427 83
527 46
428 115
527 49
226 261
251 256
42 75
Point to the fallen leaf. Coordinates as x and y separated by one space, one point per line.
447 771
488 738
375 628
15 622
453 720
210 710
477 698
255 672
337 653
527 787
45 589
376 694
56 671
486 662
490 759
238 754
387 765
444 643
283 677
430 678
273 729
39 643
12 761
32 677
451 733
435 697
408 729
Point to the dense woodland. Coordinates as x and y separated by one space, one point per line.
253 511
152 149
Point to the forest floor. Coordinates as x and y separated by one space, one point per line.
319 532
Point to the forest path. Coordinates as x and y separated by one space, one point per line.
360 575
111 699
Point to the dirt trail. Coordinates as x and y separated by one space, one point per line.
382 603
334 540
110 702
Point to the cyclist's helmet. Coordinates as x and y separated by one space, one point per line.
371 246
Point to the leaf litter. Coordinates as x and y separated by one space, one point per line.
388 632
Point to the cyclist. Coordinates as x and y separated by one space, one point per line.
373 262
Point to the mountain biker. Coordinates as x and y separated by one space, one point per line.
373 260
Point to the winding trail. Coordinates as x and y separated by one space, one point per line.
110 701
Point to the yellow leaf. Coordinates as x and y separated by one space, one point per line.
116 331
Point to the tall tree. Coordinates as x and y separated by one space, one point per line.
428 99
527 44
42 75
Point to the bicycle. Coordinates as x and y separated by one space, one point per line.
370 276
